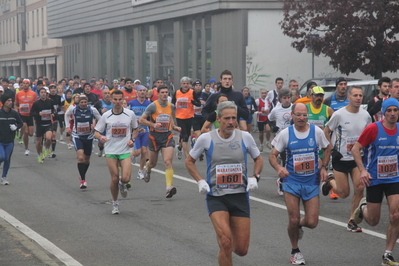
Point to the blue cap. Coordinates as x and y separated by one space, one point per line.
212 80
389 102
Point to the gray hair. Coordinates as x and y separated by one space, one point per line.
225 105
284 92
185 79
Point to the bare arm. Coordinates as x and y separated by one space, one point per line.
281 171
192 169
364 175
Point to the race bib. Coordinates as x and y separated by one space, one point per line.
198 110
24 108
163 119
387 166
118 131
228 176
46 115
83 127
182 103
317 123
304 164
350 142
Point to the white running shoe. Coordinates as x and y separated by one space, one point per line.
115 208
70 146
27 152
61 138
140 174
100 153
297 259
4 181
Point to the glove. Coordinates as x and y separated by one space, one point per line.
252 184
203 187
13 127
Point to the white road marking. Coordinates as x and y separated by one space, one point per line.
277 205
43 242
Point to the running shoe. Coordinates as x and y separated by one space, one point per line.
170 191
179 152
147 175
128 185
83 184
4 181
100 153
51 155
269 145
326 187
115 208
388 260
297 259
133 159
353 227
40 159
46 153
27 152
140 174
333 195
61 138
358 214
279 187
301 232
21 141
70 146
123 190
261 147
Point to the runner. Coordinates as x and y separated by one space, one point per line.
57 107
160 138
24 100
82 133
319 114
302 174
379 172
138 106
227 182
43 111
121 128
281 115
346 124
10 122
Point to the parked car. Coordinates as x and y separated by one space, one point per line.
370 89
320 82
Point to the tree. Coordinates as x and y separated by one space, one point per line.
354 34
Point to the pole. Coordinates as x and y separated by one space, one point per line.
312 65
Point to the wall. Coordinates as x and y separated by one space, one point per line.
269 54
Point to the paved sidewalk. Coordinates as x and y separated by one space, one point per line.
16 249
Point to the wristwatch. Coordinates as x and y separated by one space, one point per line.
325 167
257 176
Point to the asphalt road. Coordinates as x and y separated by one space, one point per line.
75 227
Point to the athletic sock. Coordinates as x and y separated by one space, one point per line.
53 143
169 176
82 170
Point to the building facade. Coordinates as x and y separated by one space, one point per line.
147 39
25 49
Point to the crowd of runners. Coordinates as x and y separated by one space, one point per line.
315 144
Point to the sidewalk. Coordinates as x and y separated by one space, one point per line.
16 249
